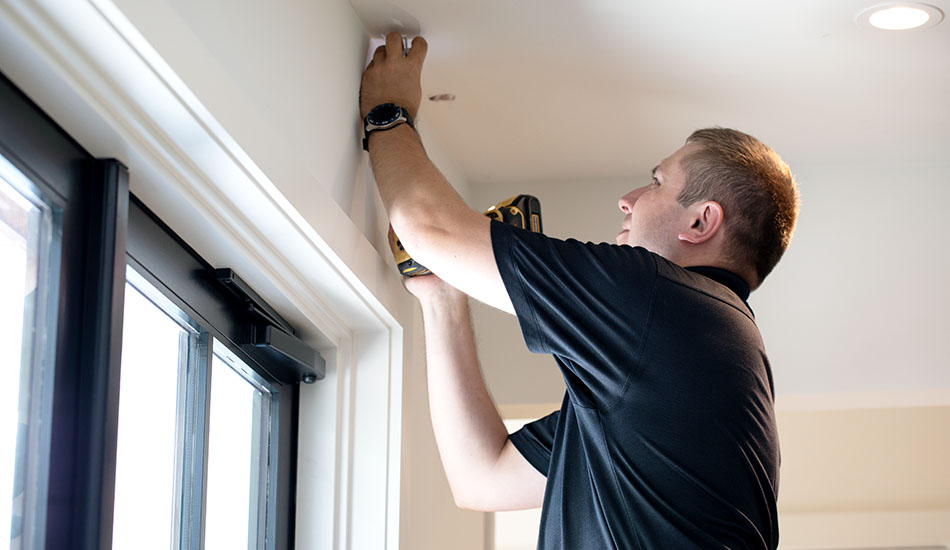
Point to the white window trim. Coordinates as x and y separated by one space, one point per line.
87 66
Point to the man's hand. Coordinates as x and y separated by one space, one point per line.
392 77
429 289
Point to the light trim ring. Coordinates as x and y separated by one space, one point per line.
898 16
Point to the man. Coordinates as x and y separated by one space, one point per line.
666 436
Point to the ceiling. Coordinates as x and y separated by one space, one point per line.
596 89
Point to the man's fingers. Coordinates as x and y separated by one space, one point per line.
379 54
394 44
393 48
418 50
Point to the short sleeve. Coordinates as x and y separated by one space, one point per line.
587 304
535 440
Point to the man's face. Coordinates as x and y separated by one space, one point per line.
652 217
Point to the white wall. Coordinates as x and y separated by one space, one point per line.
283 79
859 302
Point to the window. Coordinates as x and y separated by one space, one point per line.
239 461
162 399
161 403
28 227
157 352
238 394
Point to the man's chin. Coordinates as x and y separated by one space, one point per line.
622 237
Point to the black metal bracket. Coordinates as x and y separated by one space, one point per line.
290 351
254 304
269 333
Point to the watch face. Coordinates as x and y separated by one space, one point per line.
383 114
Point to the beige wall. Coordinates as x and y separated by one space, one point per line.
865 478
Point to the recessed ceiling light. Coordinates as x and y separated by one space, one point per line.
900 16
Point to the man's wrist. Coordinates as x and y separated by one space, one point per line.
444 300
394 131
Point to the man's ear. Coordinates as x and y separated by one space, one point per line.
705 220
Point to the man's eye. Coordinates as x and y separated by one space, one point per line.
655 181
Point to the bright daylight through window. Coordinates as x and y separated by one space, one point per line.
162 399
238 452
146 475
26 233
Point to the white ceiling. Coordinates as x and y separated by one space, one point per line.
594 89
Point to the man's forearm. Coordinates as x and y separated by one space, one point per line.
433 222
468 429
415 194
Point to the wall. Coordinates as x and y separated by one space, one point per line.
283 79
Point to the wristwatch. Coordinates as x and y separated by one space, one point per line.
384 117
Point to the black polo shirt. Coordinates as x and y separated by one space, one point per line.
666 437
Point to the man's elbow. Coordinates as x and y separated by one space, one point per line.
435 238
417 230
469 501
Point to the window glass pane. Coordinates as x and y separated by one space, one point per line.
26 330
237 442
154 357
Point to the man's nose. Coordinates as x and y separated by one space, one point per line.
626 202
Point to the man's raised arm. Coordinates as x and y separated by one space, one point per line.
485 470
433 222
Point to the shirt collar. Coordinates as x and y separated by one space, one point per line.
735 283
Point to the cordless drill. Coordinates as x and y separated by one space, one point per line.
522 211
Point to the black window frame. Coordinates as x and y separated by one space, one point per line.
106 228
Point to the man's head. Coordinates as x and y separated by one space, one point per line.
724 199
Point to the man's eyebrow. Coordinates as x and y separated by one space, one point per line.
653 172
